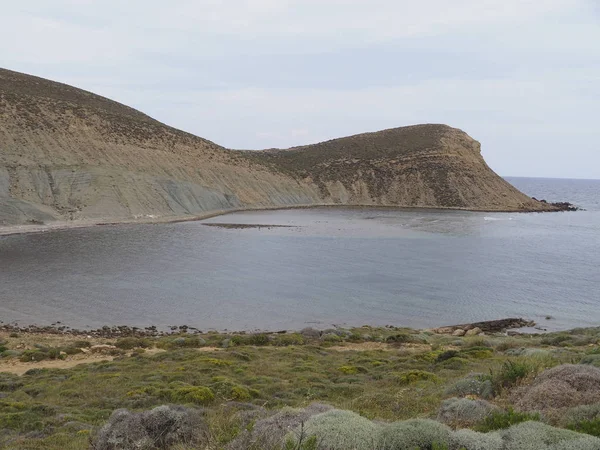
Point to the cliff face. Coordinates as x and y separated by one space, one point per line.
421 165
67 154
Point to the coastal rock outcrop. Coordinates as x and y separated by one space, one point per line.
67 154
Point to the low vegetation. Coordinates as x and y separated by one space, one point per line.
367 388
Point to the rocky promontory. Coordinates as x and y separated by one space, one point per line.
70 155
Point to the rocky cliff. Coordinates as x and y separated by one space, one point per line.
67 154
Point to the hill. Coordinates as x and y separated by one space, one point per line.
68 154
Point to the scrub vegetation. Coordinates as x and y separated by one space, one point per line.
369 388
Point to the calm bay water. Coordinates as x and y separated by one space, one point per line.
417 268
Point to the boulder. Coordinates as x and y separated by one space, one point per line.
473 331
459 332
310 333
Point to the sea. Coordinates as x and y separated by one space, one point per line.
319 267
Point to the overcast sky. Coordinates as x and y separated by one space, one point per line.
520 76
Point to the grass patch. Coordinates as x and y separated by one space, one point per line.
499 420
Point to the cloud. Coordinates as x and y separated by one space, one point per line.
522 76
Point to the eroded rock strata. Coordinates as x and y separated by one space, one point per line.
68 154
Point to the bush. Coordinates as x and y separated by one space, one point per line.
72 350
477 352
33 355
9 382
454 364
270 432
471 440
250 339
412 376
288 339
556 339
475 384
498 420
536 435
581 413
539 353
337 430
446 355
586 426
510 374
401 338
464 411
592 360
582 443
130 343
184 342
561 387
331 337
192 394
160 428
411 434
240 393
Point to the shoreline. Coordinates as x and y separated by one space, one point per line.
119 331
10 230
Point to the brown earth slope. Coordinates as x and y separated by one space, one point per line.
68 154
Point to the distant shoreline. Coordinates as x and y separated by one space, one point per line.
115 331
67 225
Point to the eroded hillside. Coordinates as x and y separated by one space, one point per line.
68 154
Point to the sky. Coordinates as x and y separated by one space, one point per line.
520 76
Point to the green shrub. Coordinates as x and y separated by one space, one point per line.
72 350
192 394
33 355
464 411
331 337
477 352
475 384
472 440
412 376
352 370
510 374
250 339
55 353
446 355
270 432
184 342
498 420
586 426
348 370
130 343
285 340
240 393
580 413
160 428
556 339
356 337
536 435
454 364
217 362
401 338
507 344
414 434
338 430
9 382
592 360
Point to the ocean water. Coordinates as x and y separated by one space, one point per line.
326 266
